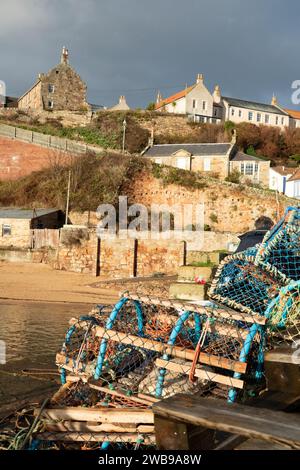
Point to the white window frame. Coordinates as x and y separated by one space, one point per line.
194 104
232 111
250 116
50 104
204 105
6 230
240 113
277 120
267 119
51 88
258 117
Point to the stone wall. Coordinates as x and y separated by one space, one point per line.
20 233
228 207
118 258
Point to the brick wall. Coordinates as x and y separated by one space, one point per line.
19 159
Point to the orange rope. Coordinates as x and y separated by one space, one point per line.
197 352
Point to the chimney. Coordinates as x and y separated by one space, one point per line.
217 94
159 97
200 78
274 101
64 59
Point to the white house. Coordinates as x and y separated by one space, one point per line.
202 106
293 185
285 180
278 178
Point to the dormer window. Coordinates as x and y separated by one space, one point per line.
51 88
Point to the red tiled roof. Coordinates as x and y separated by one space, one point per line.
293 113
175 97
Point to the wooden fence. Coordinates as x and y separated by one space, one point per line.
44 238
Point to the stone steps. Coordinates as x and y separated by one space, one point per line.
186 288
187 291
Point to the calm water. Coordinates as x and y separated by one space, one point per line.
34 332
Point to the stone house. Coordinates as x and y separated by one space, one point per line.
59 89
213 159
200 105
16 224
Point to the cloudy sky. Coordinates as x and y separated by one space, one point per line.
135 47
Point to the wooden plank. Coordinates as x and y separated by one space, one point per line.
95 437
204 310
256 444
116 393
100 415
148 398
215 327
258 423
175 351
85 427
285 354
200 373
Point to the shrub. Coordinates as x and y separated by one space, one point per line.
234 177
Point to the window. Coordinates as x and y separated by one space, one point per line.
50 104
277 120
6 230
267 119
215 112
256 168
282 121
249 169
194 104
232 111
258 117
204 105
250 116
51 88
240 113
206 164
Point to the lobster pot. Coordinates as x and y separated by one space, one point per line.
283 316
279 253
148 349
241 285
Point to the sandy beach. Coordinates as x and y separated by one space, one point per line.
39 282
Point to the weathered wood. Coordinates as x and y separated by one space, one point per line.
67 363
256 444
175 351
85 427
99 415
215 327
116 393
204 310
276 427
285 354
172 435
148 398
96 437
61 392
200 373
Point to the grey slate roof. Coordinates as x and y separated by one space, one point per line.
265 108
16 213
165 150
242 157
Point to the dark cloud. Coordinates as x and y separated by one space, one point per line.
134 47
